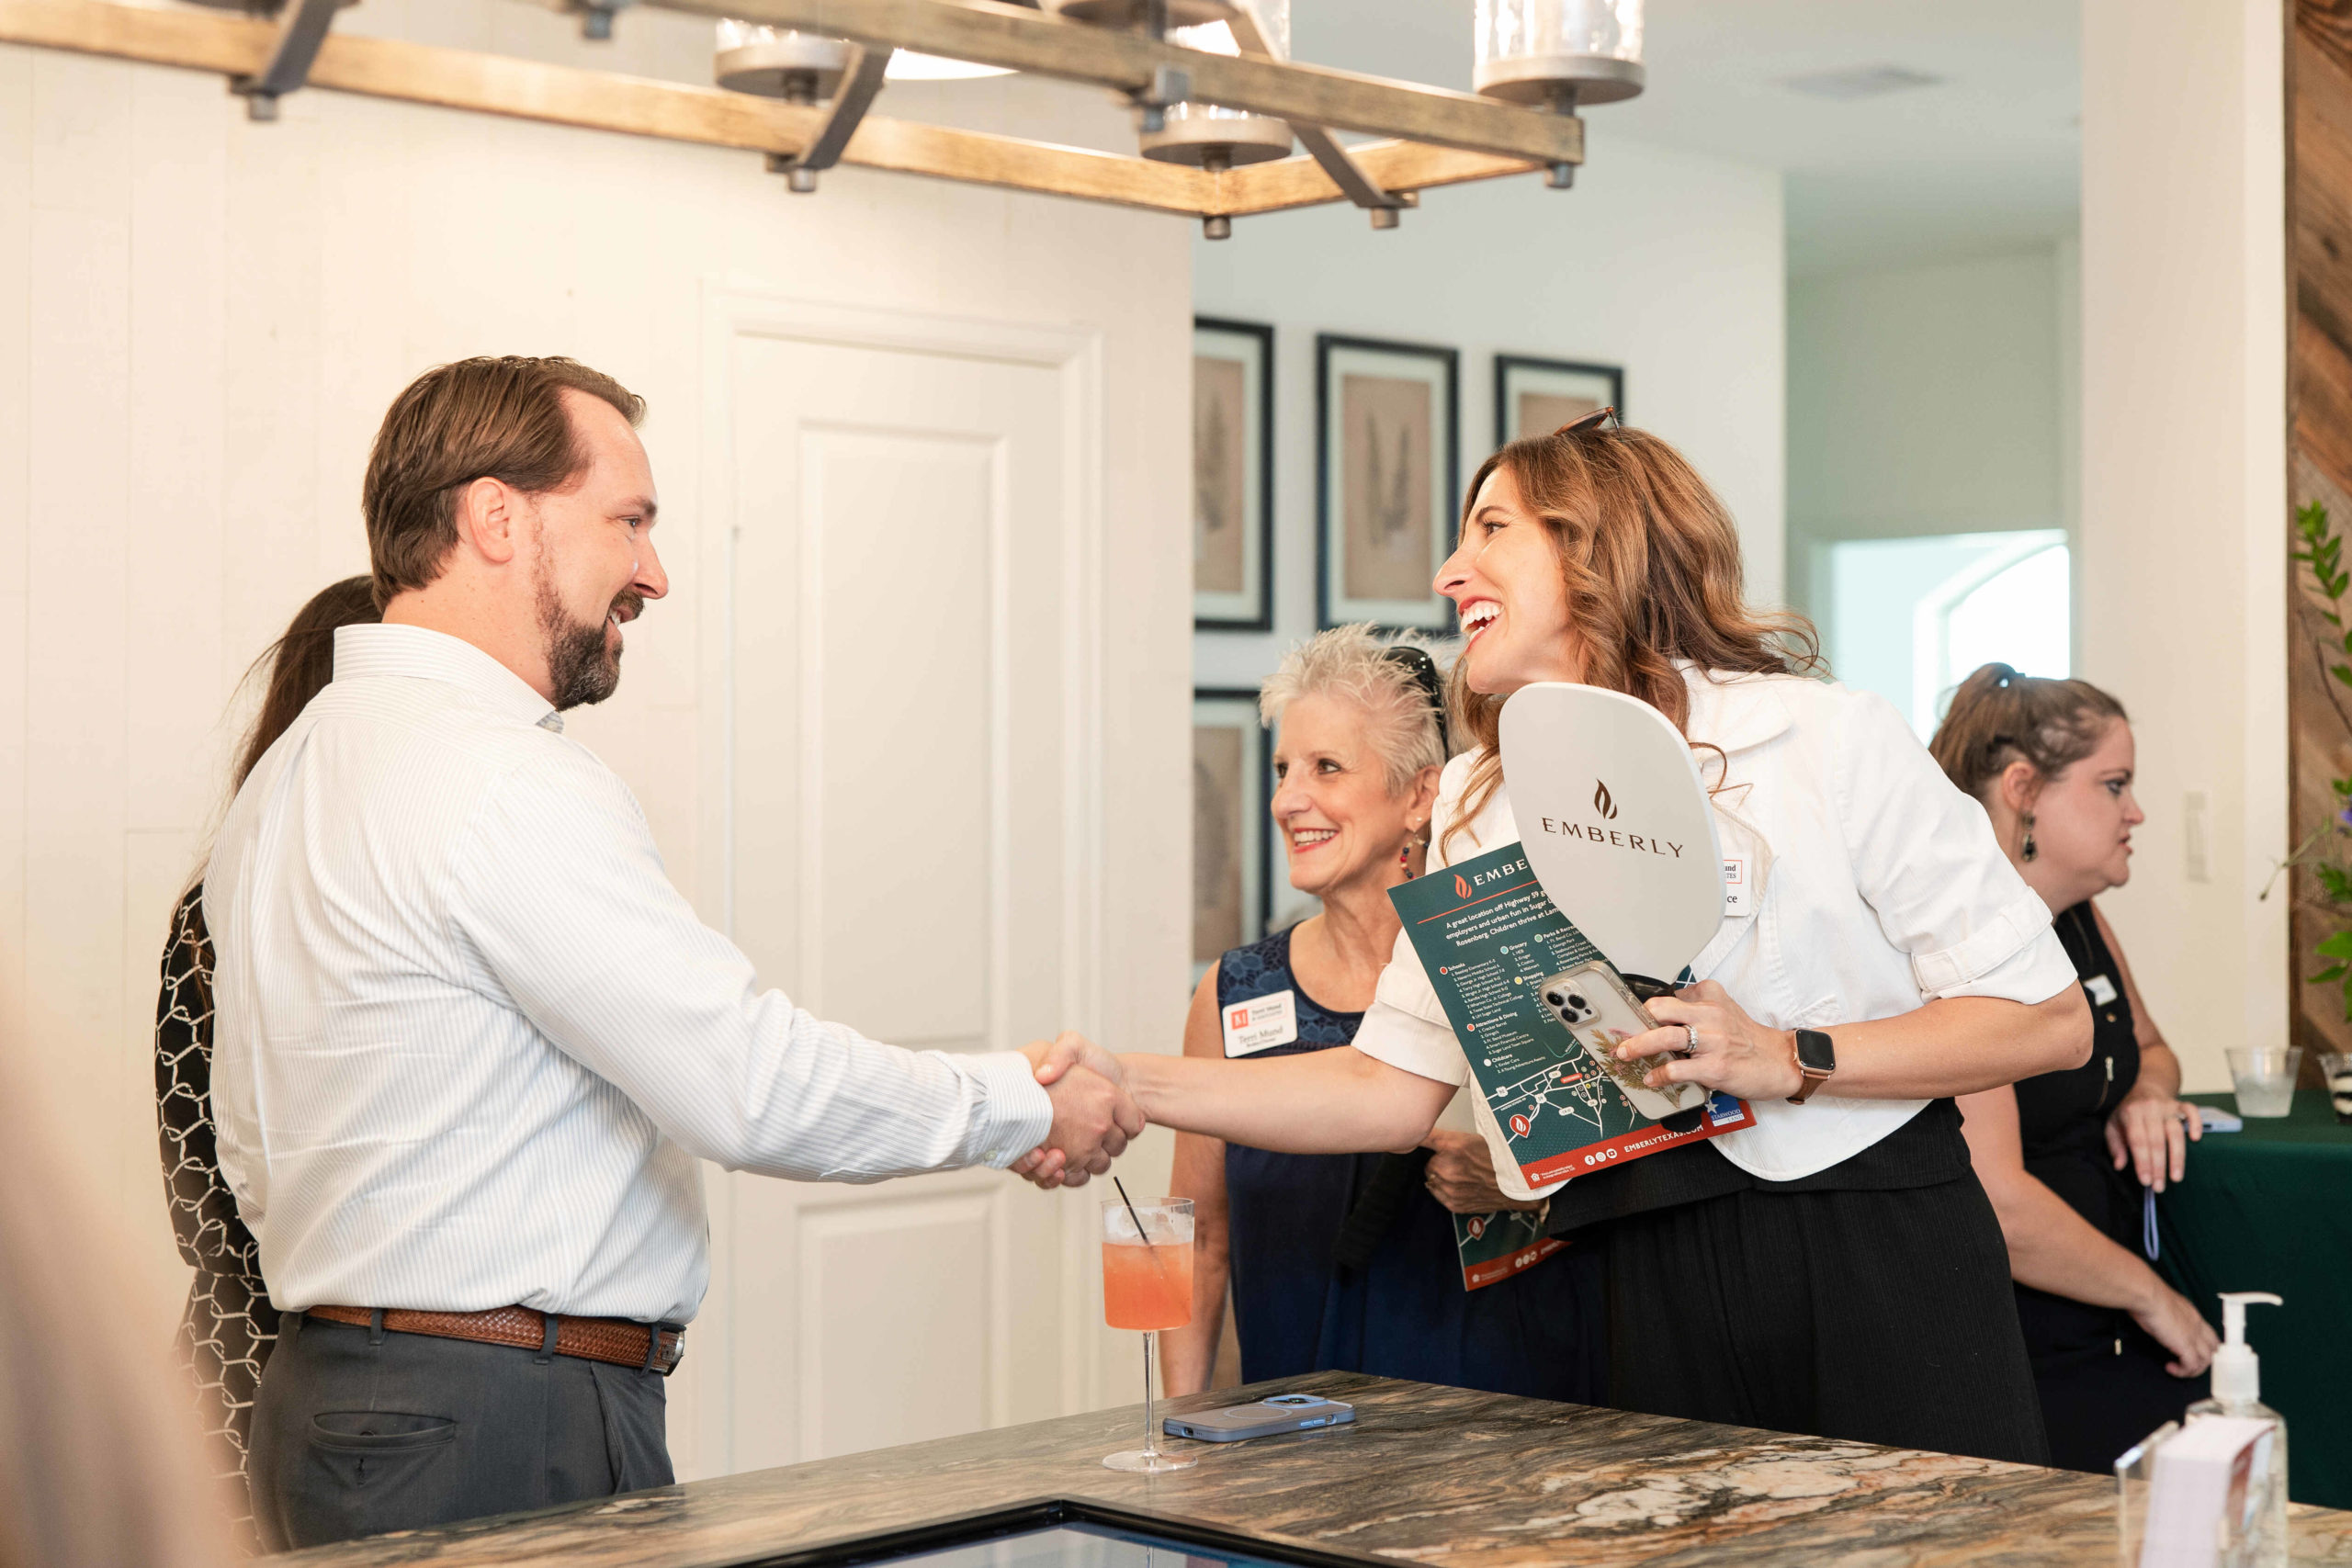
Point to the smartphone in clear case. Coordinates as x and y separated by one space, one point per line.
1595 1005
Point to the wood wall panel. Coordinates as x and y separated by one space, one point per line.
2320 404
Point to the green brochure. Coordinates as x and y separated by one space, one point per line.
1494 1247
1486 933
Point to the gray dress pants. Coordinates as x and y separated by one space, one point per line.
358 1432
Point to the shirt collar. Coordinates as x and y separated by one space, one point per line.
1730 710
419 654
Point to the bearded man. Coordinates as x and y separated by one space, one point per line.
471 1042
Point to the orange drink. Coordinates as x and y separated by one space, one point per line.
1147 1287
1148 1284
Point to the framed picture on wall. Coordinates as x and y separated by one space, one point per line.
1233 475
1535 397
1387 440
1231 789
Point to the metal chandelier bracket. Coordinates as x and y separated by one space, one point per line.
1430 137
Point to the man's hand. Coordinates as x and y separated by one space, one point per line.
1461 1175
1093 1115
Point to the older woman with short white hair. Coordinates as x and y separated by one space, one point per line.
1350 1261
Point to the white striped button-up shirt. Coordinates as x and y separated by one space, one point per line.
470 1041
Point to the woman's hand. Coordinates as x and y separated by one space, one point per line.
1735 1054
2151 1130
1461 1175
2175 1326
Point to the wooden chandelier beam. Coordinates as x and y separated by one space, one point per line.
1021 40
236 47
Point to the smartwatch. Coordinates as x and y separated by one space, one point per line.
1817 1059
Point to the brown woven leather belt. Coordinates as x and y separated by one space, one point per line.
656 1348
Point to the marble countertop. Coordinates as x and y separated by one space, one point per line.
1429 1475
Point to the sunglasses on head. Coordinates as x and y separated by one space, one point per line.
1592 421
1423 669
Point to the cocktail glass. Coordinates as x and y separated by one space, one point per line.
1148 1284
2265 1075
2337 1064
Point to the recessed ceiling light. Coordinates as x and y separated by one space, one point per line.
1860 82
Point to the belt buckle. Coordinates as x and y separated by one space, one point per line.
654 1360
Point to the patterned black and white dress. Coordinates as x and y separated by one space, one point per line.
229 1328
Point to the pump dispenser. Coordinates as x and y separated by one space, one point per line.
2237 1389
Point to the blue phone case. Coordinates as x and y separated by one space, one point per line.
1266 1418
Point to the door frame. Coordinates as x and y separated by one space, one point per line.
733 310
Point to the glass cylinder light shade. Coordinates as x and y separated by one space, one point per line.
1207 133
776 62
1559 52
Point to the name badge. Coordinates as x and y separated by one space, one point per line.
1260 1023
2101 989
1737 894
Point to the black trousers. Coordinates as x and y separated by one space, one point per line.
1884 1316
358 1432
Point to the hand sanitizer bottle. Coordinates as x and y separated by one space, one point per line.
2237 1385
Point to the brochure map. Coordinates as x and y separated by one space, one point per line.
1486 933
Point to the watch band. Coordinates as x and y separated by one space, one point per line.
1820 1046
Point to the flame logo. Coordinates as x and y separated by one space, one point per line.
1603 803
1461 887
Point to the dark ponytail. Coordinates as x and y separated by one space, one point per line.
300 665
1999 716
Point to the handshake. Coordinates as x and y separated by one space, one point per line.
1093 1114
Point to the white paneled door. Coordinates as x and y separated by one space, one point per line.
907 731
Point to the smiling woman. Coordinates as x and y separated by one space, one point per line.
1349 1261
1834 1268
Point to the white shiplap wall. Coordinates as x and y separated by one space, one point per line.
201 322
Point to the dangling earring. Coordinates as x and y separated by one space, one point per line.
1404 856
2029 850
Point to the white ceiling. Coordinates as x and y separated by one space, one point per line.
1985 160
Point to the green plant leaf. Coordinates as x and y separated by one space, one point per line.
2337 946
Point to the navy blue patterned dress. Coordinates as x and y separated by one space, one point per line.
1404 1315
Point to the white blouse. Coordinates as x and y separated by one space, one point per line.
1879 886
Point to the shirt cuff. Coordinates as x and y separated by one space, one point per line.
1014 1113
1388 1033
2035 973
1962 968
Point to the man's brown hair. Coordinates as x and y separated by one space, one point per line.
497 418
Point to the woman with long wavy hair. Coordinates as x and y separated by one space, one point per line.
229 1328
1834 1269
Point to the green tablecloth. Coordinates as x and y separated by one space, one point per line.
2270 1209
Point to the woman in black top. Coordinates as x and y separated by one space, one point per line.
2067 1157
228 1326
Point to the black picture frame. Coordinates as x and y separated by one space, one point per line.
1216 610
1426 611
1510 366
1238 706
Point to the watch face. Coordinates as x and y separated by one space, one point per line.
1814 1052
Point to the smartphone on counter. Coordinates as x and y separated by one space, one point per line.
1283 1413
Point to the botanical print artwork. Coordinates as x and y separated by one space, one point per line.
1385 427
1540 413
1220 439
1217 841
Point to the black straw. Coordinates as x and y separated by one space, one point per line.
1131 1211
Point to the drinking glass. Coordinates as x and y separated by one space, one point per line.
1148 1284
2266 1078
2338 1065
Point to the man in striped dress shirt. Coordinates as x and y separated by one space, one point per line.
471 1042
